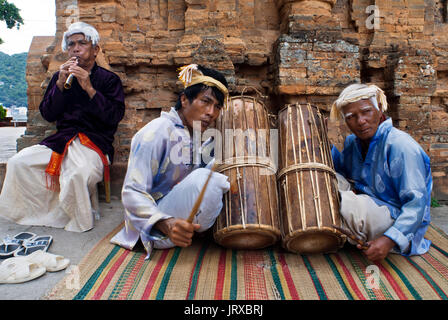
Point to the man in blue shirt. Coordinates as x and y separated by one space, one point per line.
384 177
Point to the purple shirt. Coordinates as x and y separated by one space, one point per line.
75 112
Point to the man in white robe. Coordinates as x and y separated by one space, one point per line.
166 171
54 182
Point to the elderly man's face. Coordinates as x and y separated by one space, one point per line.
79 47
362 118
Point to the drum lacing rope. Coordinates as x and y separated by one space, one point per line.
248 161
305 166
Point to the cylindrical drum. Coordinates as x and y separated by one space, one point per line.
249 218
308 192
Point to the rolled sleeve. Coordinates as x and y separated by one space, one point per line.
402 241
153 234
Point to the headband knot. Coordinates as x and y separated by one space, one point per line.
191 75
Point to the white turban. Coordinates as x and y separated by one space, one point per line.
86 29
356 92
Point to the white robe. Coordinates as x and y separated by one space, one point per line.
26 200
163 180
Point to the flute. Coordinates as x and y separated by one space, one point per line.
68 82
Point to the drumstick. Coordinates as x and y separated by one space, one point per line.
196 205
363 244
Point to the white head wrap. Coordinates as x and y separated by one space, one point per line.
356 92
86 29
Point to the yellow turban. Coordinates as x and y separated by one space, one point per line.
191 75
356 92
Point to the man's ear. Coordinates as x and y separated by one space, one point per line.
96 50
183 99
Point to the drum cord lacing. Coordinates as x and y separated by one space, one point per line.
305 166
248 161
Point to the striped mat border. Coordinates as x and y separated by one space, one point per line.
206 271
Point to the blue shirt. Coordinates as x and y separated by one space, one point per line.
396 172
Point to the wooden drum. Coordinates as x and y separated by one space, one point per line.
249 218
308 192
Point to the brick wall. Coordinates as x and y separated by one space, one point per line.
306 50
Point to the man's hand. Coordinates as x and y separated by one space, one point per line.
378 248
64 72
178 230
83 78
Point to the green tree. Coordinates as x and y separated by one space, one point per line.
10 14
2 112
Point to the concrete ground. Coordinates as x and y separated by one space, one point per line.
71 245
8 137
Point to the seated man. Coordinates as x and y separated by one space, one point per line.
388 201
53 183
165 175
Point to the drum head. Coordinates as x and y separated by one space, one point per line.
246 238
314 241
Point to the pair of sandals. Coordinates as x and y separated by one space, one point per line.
23 244
27 258
25 268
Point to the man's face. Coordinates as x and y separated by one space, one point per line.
362 118
204 108
79 47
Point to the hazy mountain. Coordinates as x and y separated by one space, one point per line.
12 79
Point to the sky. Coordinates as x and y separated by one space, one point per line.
39 20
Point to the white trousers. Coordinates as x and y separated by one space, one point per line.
178 203
26 200
180 200
361 215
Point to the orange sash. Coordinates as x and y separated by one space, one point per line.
53 169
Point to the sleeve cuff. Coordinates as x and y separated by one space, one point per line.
399 238
150 234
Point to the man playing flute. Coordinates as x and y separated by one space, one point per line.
54 182
387 203
166 173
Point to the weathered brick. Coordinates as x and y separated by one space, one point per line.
287 49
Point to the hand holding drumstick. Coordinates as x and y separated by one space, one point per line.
181 231
363 245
